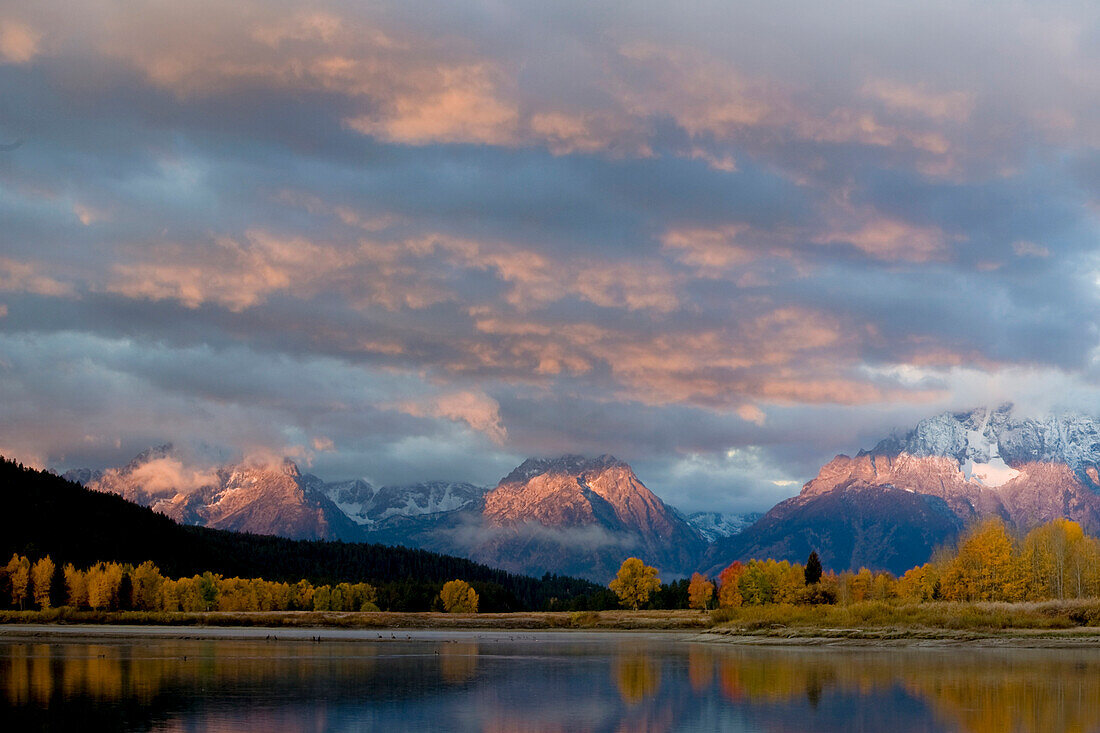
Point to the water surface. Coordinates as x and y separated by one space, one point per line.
469 681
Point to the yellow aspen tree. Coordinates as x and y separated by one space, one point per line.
19 575
76 586
147 580
458 597
859 585
104 580
883 587
322 598
42 581
635 582
169 596
983 567
790 583
303 595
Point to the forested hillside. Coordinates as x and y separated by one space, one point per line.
47 515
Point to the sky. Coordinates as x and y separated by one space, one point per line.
408 241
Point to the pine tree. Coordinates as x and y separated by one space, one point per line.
813 568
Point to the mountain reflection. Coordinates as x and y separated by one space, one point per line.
544 685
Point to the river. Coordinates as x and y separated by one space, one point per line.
275 680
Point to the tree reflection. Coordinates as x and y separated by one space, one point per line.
637 677
458 662
976 691
700 667
633 687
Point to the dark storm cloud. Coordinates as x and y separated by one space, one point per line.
400 242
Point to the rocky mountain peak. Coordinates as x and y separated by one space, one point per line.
1000 439
290 468
148 456
572 465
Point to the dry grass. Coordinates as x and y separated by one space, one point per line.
915 619
871 619
602 620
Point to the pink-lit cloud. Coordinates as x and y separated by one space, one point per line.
267 226
476 409
19 43
30 277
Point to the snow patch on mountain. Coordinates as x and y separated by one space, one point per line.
990 443
713 525
367 506
992 474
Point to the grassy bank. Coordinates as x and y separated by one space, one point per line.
871 620
602 620
921 620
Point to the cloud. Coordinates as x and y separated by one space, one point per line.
461 106
26 277
1024 248
232 273
955 106
652 231
478 410
18 42
169 475
890 239
752 414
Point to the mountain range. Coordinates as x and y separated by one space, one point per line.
568 515
46 515
888 508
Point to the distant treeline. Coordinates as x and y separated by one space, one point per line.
1054 561
46 515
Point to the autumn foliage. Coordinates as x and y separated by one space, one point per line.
1054 561
635 582
458 597
114 586
700 591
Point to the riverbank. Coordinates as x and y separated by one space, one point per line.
1049 624
851 639
533 621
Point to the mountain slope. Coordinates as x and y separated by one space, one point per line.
582 516
261 498
880 527
46 514
982 463
717 525
986 463
569 515
368 507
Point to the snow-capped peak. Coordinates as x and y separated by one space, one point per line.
990 444
714 525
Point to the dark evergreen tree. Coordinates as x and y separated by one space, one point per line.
813 568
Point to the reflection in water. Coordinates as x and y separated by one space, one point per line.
458 662
637 677
552 683
700 667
